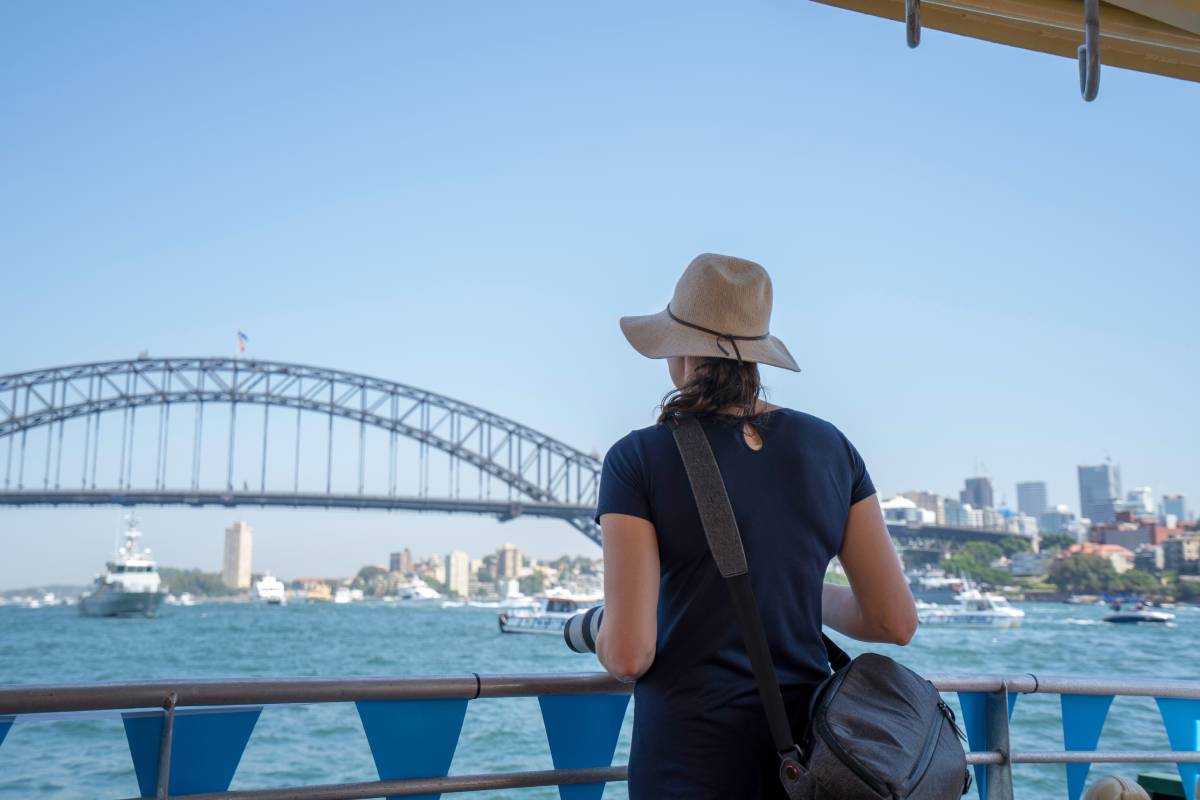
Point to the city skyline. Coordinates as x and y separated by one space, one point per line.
470 211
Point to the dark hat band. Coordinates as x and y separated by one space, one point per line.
733 340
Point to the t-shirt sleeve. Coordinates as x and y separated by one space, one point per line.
623 487
861 486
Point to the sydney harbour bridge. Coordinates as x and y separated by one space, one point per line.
236 432
145 431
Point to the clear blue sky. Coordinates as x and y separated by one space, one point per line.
971 264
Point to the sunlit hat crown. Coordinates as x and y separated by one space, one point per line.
721 308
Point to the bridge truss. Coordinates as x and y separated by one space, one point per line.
494 465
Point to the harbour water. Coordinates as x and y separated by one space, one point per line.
88 758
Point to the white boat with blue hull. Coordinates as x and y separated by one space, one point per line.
975 609
549 617
129 586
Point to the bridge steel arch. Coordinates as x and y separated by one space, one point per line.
544 476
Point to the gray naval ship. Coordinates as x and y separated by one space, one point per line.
129 586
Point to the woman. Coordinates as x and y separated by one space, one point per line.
801 496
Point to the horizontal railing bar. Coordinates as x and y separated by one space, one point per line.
416 786
1105 757
1056 684
1086 757
525 685
151 694
19 699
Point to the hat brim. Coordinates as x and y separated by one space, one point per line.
659 336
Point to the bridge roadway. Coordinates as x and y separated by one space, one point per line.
502 509
927 537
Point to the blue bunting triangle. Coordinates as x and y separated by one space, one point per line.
582 731
1181 718
5 724
206 746
1083 718
412 738
974 711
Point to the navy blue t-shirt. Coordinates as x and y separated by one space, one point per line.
699 729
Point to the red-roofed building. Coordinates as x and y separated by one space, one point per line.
1120 557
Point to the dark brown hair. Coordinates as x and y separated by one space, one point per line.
716 385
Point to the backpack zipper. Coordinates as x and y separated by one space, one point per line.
931 741
821 725
826 733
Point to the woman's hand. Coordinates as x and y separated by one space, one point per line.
627 638
877 606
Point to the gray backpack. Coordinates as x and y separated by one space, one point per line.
877 730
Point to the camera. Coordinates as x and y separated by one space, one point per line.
580 630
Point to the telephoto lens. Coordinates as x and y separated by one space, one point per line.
581 630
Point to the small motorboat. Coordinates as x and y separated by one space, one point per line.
1139 613
975 609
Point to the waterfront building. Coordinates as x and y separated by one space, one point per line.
235 567
508 562
1055 520
1022 525
977 493
902 510
1099 491
401 562
458 573
1173 505
990 519
930 501
1131 531
1149 558
955 514
974 516
1182 555
1121 558
1140 501
1031 497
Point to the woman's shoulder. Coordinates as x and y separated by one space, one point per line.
802 420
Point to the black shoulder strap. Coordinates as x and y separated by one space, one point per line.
725 542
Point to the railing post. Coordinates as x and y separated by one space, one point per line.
164 749
999 776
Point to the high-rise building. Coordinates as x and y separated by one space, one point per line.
458 573
1031 497
1099 491
978 493
508 562
1173 505
235 568
401 562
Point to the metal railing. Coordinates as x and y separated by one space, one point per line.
996 757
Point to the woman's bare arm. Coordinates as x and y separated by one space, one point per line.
877 606
627 638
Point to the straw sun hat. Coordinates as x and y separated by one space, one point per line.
721 308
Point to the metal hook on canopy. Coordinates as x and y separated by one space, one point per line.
1089 51
912 22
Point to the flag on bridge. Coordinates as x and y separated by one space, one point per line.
242 339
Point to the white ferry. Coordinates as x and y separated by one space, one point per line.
553 611
418 590
129 586
269 590
975 608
